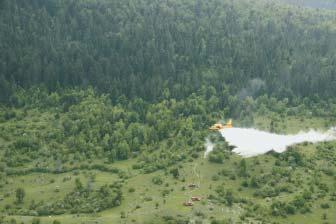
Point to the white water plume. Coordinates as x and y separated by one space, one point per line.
208 146
251 142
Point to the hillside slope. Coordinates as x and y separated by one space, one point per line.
74 156
139 48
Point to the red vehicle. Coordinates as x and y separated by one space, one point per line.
188 203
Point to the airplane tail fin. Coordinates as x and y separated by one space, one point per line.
229 124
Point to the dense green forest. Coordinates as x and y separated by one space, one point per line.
140 48
105 107
326 4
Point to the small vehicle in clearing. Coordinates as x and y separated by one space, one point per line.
196 198
188 203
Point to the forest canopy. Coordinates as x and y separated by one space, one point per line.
140 48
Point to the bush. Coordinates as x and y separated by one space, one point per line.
36 221
244 183
216 157
20 194
175 172
9 115
325 206
290 209
157 180
267 191
215 177
165 192
148 198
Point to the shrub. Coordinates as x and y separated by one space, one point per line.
244 183
20 193
325 206
216 157
36 221
157 180
215 177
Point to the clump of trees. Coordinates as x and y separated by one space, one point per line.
221 150
225 196
82 200
299 204
92 127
